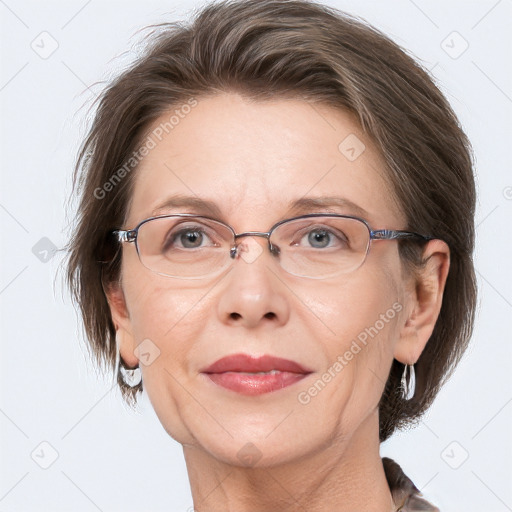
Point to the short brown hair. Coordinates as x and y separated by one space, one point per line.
265 49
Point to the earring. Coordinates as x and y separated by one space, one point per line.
132 377
408 386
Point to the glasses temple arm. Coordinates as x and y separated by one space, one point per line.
125 235
391 234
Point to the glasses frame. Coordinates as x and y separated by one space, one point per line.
130 235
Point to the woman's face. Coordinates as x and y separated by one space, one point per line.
252 160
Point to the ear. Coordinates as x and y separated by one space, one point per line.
423 304
121 318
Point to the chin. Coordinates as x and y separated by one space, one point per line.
267 444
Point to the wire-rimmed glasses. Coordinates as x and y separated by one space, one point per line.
314 246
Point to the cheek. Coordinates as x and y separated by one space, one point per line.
361 318
165 317
355 305
171 317
166 313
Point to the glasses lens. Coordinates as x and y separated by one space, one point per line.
321 247
184 247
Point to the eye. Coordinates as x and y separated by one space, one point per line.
190 237
323 237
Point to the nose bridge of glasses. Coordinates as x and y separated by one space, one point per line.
247 247
252 233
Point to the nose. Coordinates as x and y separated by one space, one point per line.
252 292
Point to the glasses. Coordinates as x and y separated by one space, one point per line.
315 246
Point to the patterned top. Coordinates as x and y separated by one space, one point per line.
406 495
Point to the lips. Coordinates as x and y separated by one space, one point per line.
246 363
251 375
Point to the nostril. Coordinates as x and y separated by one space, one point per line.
270 315
235 316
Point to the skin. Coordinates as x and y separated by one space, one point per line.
251 158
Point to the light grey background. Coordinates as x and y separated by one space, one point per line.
110 459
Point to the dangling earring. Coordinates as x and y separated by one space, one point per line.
408 386
132 377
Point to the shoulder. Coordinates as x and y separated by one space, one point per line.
405 493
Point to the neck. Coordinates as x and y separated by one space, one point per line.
345 475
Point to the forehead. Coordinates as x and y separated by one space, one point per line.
258 162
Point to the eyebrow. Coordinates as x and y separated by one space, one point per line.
306 204
201 206
295 207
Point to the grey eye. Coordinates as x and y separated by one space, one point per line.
194 238
319 236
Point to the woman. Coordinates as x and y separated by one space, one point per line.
274 238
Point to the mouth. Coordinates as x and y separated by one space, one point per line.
249 375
